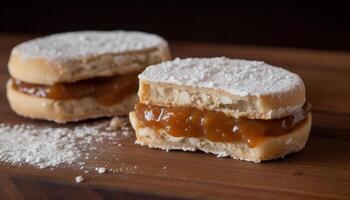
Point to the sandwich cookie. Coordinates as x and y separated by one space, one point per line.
247 110
80 75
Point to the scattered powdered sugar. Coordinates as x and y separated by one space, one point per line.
125 169
238 77
50 147
44 146
73 45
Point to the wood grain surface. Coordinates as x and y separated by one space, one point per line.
320 171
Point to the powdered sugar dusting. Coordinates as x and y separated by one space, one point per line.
44 146
73 45
238 77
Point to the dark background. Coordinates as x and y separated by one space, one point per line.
307 24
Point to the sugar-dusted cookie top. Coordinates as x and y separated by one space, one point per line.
238 77
71 45
74 56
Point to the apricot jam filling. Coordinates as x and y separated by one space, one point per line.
106 90
216 126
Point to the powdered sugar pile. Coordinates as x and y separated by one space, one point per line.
239 77
72 45
44 146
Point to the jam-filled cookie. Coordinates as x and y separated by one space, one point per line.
247 110
80 75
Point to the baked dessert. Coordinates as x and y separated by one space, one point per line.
80 75
247 110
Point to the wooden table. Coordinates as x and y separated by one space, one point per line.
320 171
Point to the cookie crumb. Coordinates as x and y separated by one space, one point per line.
101 170
116 123
79 179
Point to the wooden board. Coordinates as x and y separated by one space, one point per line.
320 171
